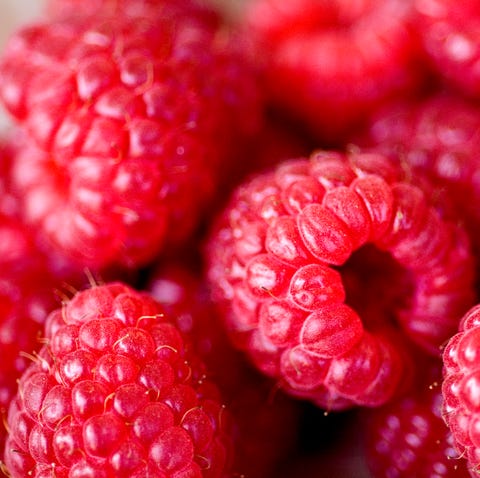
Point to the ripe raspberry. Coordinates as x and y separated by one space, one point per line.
438 137
408 437
460 388
115 392
276 261
330 62
450 35
266 419
129 165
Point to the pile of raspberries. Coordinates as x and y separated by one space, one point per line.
241 246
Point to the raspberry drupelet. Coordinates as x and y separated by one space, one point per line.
460 388
130 115
116 392
281 260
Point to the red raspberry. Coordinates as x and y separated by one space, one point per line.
438 137
115 392
330 62
133 116
267 421
460 387
276 260
450 35
408 437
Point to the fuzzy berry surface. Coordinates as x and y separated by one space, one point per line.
437 136
115 392
130 115
461 409
450 35
266 419
281 264
328 63
408 437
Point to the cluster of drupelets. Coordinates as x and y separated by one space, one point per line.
241 246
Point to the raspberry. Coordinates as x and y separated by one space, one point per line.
329 63
266 421
130 168
275 264
408 437
437 137
115 392
460 389
450 34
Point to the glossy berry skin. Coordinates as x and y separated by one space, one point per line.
114 393
266 419
460 388
329 63
130 116
450 35
408 437
438 137
279 257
